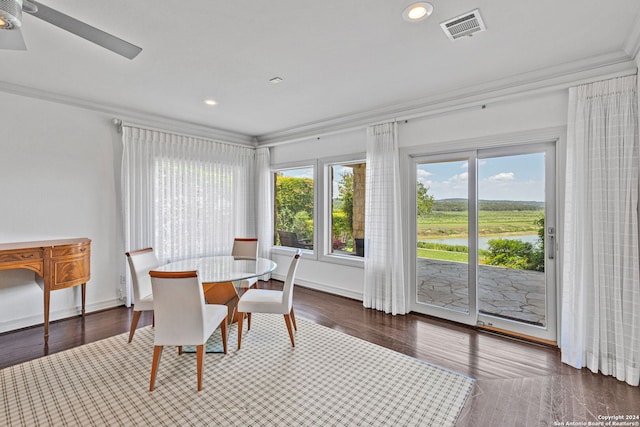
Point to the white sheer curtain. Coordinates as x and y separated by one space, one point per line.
185 196
383 262
601 285
264 196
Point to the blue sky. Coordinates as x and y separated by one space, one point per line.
499 178
298 173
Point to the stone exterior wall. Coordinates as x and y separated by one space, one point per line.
358 200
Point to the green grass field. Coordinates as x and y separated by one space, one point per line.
443 255
441 224
490 223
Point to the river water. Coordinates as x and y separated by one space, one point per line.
483 242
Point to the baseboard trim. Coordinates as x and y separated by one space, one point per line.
323 287
55 315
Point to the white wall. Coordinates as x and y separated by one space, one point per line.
508 117
325 146
59 171
441 132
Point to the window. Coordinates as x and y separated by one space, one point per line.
322 205
347 196
193 200
186 197
294 207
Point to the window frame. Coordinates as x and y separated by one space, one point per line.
324 229
286 250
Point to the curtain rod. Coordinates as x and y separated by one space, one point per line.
119 123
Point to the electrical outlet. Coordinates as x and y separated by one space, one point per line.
123 279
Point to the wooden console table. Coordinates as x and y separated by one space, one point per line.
59 263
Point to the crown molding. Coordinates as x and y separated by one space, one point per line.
120 113
539 81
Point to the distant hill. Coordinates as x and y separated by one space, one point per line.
459 205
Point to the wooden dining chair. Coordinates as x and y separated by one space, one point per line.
246 247
271 301
183 317
140 262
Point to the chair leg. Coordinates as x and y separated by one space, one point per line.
240 318
157 352
223 329
200 362
134 324
248 321
293 319
287 320
179 350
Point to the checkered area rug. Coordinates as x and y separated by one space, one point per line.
329 378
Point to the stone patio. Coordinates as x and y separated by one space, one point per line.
506 292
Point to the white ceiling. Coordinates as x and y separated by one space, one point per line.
338 58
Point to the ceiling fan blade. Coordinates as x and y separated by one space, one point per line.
85 31
12 39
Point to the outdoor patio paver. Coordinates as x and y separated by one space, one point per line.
507 292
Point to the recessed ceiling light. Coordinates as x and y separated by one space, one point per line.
210 101
10 14
417 11
275 80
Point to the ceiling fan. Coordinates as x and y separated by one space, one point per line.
11 21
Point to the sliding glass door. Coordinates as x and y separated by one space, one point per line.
445 253
485 238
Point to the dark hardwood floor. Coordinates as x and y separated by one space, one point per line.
518 383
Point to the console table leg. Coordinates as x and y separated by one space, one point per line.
84 296
46 315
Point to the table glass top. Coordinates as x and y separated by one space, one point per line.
222 268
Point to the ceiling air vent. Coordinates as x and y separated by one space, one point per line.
464 25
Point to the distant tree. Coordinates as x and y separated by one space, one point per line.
424 200
342 215
294 205
345 191
302 225
341 229
450 205
509 205
461 205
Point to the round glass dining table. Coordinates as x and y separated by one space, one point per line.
220 275
216 269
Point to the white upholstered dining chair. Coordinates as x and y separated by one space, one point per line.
140 262
271 301
183 317
246 247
